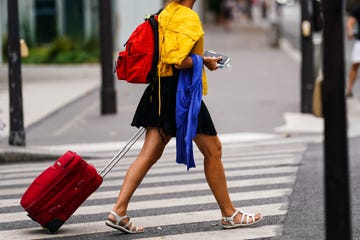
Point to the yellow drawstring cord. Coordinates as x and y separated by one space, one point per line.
159 93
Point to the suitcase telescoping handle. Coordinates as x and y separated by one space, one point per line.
121 153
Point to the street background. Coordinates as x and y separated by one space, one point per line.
255 107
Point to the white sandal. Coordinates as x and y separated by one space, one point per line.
127 228
242 223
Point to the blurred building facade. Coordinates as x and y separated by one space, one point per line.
41 21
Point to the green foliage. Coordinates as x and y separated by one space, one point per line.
75 57
37 55
65 50
61 44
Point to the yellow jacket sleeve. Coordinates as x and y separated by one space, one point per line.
178 38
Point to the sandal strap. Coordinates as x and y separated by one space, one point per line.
119 218
231 218
244 216
129 225
132 226
247 216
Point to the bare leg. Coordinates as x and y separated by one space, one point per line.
352 78
151 151
210 147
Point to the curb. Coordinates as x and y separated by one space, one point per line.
25 155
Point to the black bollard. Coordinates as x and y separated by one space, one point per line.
337 193
108 94
17 132
307 56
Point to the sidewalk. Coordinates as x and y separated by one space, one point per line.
258 100
58 84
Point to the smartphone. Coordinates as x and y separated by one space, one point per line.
225 60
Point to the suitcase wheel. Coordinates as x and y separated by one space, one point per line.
54 225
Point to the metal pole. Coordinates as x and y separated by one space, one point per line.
337 195
1 30
275 24
307 53
108 95
17 133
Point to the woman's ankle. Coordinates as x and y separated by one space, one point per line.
120 211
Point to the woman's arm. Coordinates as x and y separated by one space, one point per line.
350 26
187 63
209 62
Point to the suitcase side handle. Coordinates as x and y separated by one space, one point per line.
121 153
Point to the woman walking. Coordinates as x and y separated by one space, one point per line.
181 37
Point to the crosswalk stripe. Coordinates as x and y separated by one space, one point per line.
229 173
146 221
200 186
12 191
168 156
244 162
239 233
165 159
194 174
180 188
162 203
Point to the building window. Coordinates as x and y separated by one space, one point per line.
45 16
74 18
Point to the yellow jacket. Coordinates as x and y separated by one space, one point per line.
182 29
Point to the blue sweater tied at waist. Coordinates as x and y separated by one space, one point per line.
188 103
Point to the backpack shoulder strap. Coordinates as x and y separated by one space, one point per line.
154 25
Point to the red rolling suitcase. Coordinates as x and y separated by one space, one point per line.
59 190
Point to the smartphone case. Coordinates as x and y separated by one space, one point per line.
224 59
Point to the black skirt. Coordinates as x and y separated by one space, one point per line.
146 114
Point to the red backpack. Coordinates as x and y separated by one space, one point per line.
138 62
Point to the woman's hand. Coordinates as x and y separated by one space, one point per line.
211 62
